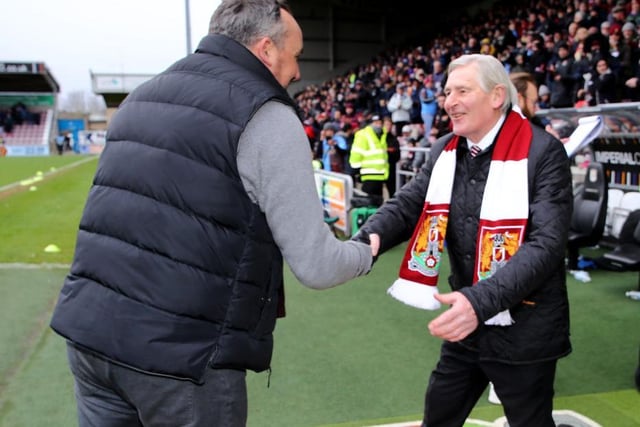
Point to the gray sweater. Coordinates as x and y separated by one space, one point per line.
274 161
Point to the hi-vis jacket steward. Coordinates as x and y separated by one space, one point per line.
369 154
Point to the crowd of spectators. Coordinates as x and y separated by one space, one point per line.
18 114
581 53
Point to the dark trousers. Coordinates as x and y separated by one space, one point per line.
460 378
109 395
390 183
374 188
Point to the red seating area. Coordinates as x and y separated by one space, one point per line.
31 134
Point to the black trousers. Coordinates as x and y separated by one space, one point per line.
460 378
374 188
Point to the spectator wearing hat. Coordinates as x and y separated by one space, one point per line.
544 97
629 34
623 58
564 79
519 63
400 105
428 103
486 47
422 154
332 149
350 116
629 30
310 130
369 159
441 123
407 140
617 18
380 108
438 75
362 98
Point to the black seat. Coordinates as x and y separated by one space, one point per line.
626 255
589 213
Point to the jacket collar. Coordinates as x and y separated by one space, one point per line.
226 47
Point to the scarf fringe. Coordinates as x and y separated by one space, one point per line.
501 319
415 294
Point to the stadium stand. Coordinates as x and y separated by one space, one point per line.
35 133
28 99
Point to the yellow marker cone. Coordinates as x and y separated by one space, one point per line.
52 249
33 188
39 173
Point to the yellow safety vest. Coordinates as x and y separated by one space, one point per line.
369 154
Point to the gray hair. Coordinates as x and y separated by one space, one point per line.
491 73
246 21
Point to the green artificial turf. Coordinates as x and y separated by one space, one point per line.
32 220
26 296
36 388
16 169
354 355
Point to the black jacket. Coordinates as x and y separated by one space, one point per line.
175 267
535 274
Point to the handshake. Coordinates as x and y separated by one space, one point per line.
373 240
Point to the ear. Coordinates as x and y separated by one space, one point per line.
263 49
498 96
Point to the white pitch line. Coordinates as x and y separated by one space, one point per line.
27 266
60 169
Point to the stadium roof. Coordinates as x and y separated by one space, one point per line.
27 77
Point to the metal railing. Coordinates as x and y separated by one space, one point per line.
402 175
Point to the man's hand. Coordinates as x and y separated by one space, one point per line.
456 323
632 82
374 242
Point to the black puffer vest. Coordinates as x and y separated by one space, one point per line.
175 268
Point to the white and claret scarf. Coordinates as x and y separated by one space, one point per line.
503 218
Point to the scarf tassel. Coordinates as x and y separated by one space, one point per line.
421 296
415 294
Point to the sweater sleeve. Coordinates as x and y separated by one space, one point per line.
274 161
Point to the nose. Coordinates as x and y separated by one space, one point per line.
449 101
297 75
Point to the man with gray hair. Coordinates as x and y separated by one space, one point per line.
498 192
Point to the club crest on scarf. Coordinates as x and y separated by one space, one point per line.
497 246
428 246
